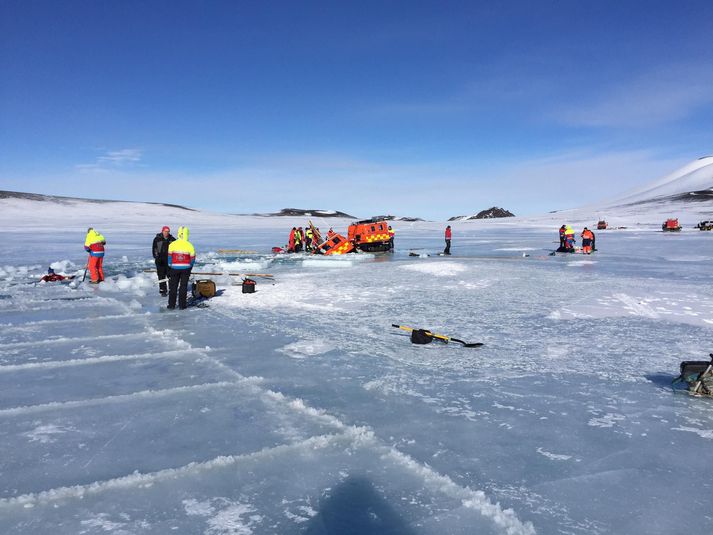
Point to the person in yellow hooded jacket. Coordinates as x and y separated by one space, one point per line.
569 239
94 244
181 257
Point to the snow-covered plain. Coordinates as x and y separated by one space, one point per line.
299 409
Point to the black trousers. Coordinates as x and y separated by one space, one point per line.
447 250
162 272
178 285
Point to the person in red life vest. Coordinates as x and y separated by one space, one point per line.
160 255
181 257
587 237
562 230
391 238
447 250
94 244
291 243
55 277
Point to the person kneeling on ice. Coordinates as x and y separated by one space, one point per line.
587 237
160 255
55 277
94 244
181 257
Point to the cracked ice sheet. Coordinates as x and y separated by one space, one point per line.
78 309
478 416
87 328
105 439
686 306
324 484
70 349
44 384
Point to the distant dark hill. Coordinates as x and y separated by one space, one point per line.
398 218
490 213
299 212
63 200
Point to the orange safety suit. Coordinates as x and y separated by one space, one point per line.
587 238
94 245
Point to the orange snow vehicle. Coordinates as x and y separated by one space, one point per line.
335 245
671 225
370 235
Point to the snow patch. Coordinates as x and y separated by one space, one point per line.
45 434
553 456
306 348
703 433
324 263
437 269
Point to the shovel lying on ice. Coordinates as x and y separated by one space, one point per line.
442 337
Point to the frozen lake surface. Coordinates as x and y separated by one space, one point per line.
299 409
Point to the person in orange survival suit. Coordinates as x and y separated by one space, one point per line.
587 237
94 244
291 241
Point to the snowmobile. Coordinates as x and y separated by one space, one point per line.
698 375
705 225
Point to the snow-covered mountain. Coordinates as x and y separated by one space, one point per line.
691 183
23 212
686 193
57 199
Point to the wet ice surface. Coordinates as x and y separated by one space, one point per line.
298 409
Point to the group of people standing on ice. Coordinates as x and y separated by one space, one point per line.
304 239
567 241
174 259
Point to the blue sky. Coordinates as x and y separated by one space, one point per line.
427 109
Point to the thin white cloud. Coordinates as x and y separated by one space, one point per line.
659 97
111 160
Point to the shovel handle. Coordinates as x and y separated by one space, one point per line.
434 335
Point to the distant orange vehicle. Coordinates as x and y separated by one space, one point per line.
602 225
370 235
671 225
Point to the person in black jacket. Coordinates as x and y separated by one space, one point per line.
160 256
